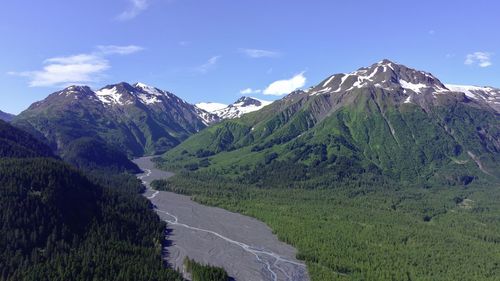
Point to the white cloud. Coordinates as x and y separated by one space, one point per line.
282 87
209 65
483 59
120 50
249 91
74 69
432 32
256 53
135 8
58 71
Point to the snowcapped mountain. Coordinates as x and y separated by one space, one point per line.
242 106
384 75
407 85
139 119
389 118
211 106
126 94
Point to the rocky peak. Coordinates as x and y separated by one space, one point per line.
246 101
150 89
384 74
73 94
75 90
406 85
124 94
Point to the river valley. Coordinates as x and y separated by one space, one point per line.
245 247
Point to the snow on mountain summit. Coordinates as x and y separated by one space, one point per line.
403 85
384 74
211 106
242 106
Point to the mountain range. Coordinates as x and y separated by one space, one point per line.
386 119
119 121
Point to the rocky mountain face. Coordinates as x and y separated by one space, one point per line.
235 110
6 116
130 119
407 85
387 118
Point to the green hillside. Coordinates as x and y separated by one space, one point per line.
369 179
402 142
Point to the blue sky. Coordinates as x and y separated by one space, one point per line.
212 50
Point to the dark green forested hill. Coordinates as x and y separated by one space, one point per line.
93 154
57 223
17 143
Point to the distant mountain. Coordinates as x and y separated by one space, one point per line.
132 120
211 106
386 119
6 116
489 95
242 106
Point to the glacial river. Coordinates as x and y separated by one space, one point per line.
245 247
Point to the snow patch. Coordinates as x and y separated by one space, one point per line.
109 96
148 89
328 81
148 99
412 86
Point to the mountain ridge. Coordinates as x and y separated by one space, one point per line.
387 118
6 116
132 120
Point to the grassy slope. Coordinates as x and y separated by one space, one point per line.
404 143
